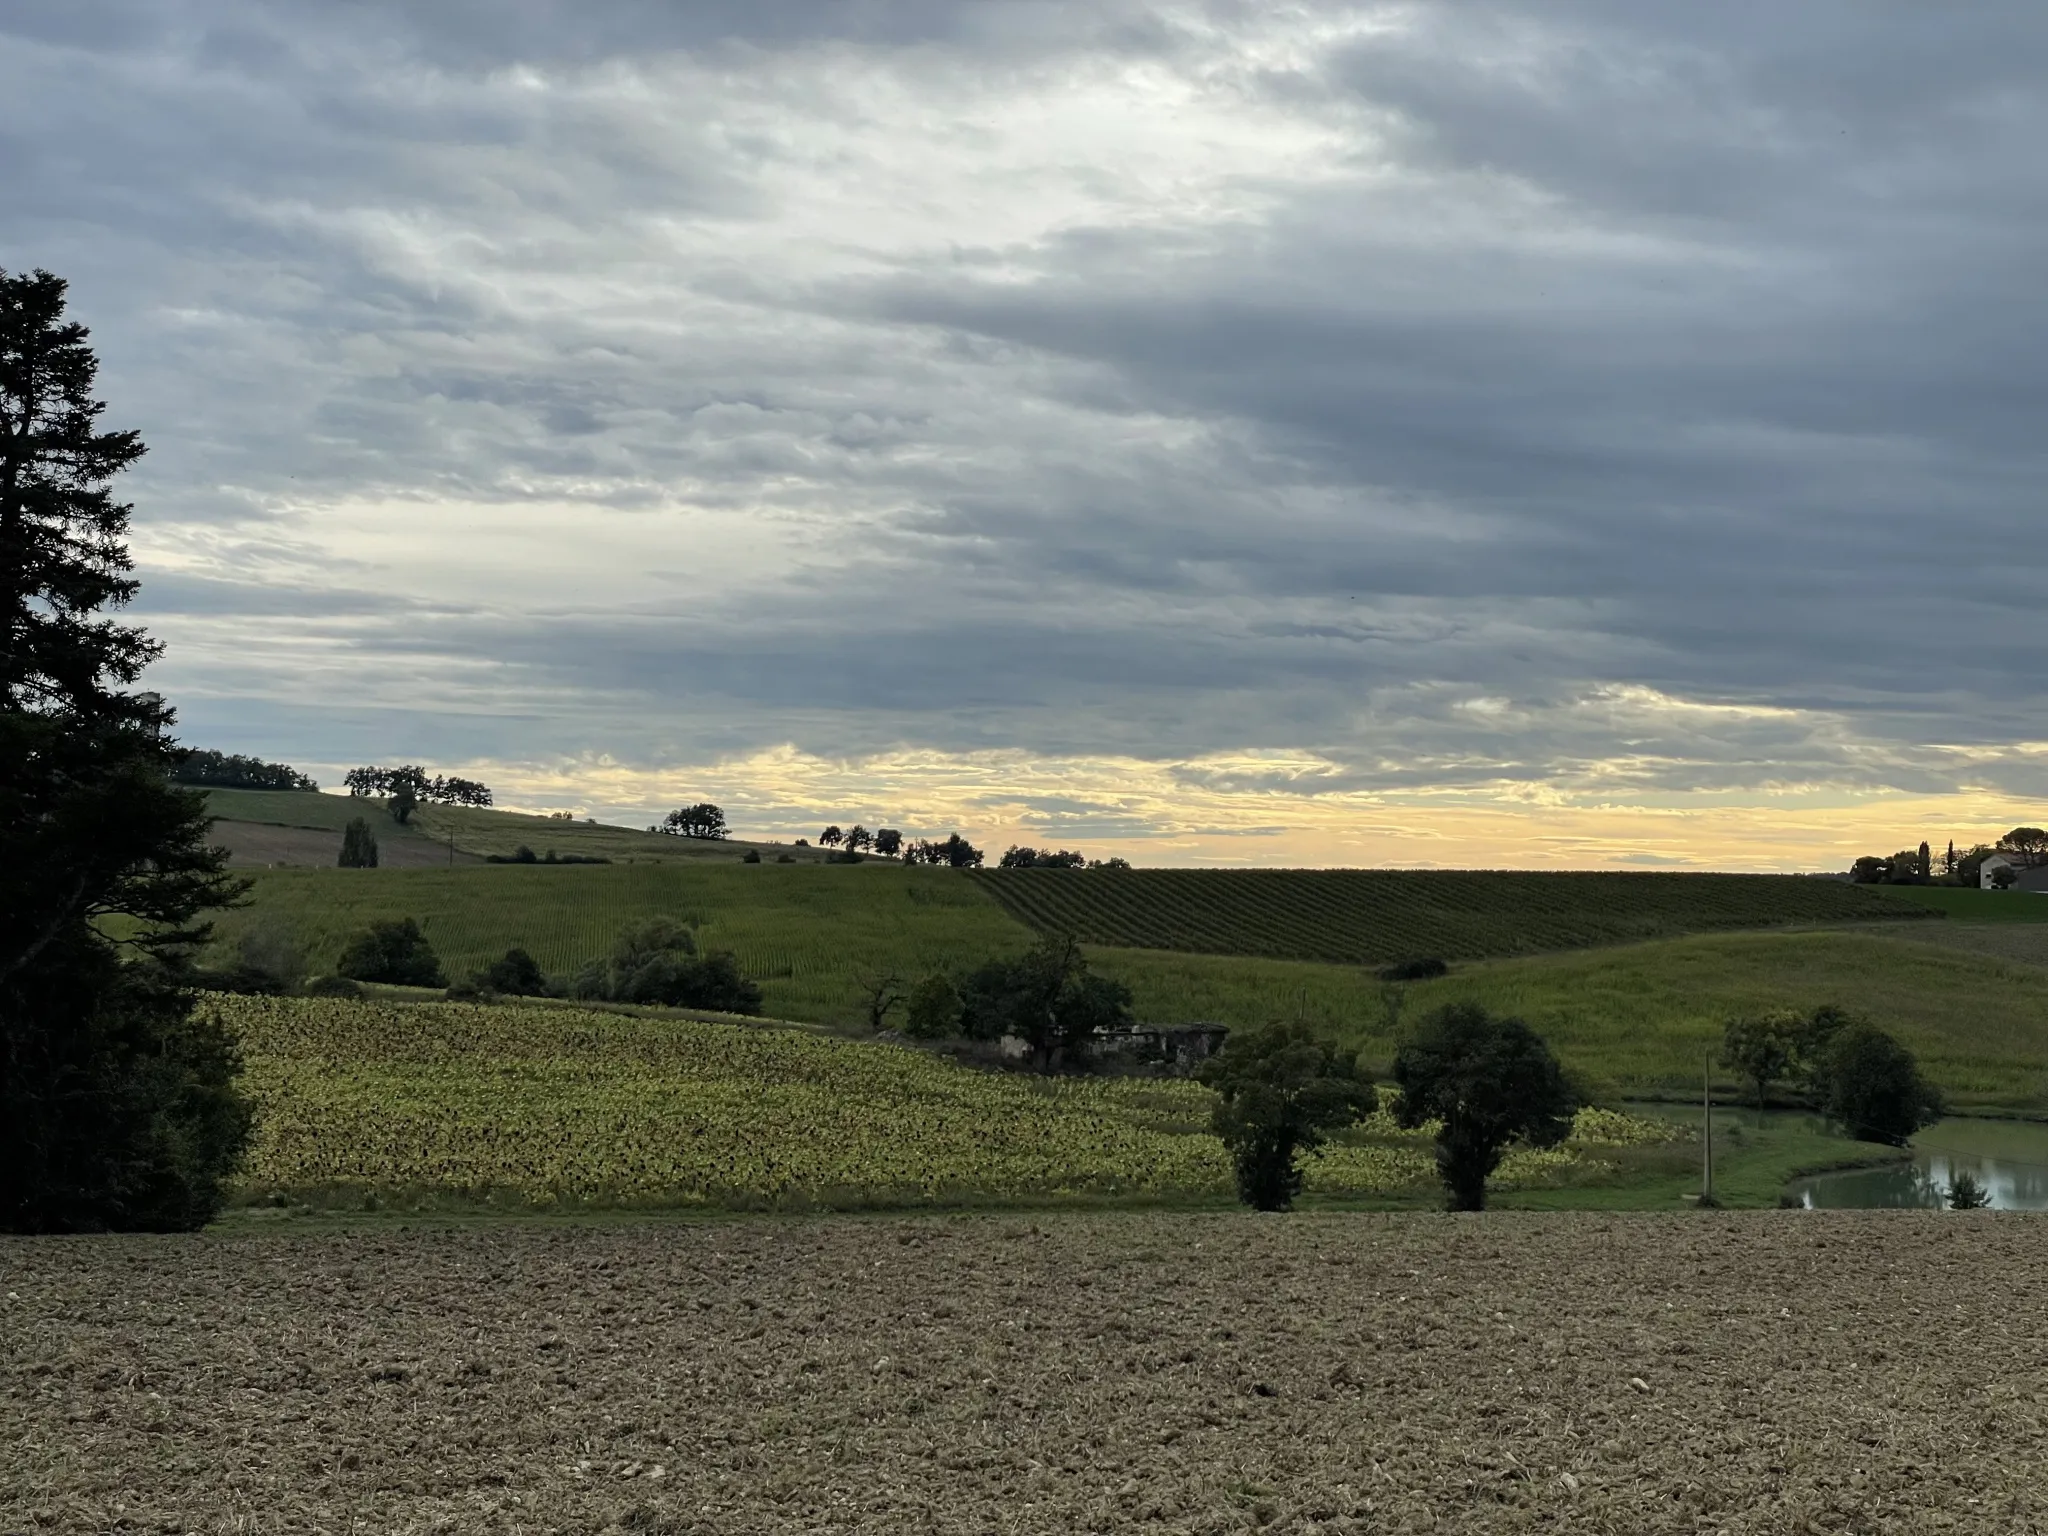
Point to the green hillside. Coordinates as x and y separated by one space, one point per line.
486 832
1645 1017
806 932
1639 1017
1972 906
1371 916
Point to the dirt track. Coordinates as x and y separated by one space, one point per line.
1770 1372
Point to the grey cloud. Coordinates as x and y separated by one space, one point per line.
1682 346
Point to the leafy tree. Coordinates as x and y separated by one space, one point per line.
955 853
888 842
1948 861
700 820
1015 857
1925 863
2003 878
1811 1039
655 961
271 949
395 952
831 837
1870 870
1761 1047
933 1011
358 845
858 837
404 801
1281 1091
1490 1082
2025 846
1965 1193
1872 1087
516 974
881 994
1970 864
1112 862
1046 998
117 1100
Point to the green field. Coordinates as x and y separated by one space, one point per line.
1372 916
1967 906
520 1106
485 832
1638 1019
805 932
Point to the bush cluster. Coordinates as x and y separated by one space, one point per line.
656 961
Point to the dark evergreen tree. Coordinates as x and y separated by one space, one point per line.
117 1099
358 845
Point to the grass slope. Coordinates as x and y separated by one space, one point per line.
485 832
1363 916
807 933
1967 906
1645 1018
1640 1018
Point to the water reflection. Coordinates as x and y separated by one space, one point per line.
1983 1149
2009 1158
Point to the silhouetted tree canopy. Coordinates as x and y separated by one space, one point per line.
117 1100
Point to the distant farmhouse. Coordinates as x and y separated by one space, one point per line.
2024 878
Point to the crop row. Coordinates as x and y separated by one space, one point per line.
1372 916
548 1105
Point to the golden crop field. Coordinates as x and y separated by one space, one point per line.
553 1106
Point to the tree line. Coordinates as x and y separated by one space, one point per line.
2026 847
415 785
223 770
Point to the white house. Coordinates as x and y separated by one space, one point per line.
2024 878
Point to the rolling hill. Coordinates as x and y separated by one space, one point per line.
1372 916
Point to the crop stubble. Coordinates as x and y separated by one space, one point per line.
1200 1373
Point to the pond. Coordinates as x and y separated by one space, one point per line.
2008 1157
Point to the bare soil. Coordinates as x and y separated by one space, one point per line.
1770 1372
259 845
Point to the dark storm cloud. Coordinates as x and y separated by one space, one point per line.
1548 351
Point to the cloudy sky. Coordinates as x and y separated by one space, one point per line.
1575 434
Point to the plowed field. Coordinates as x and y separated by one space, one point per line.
1866 1372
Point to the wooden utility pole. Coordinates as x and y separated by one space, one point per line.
1707 1137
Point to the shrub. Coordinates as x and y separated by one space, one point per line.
1281 1092
751 856
1421 968
783 858
271 949
1965 1193
394 952
334 986
656 962
358 846
517 974
933 1012
1871 1086
1489 1082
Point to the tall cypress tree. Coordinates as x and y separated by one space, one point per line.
117 1099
